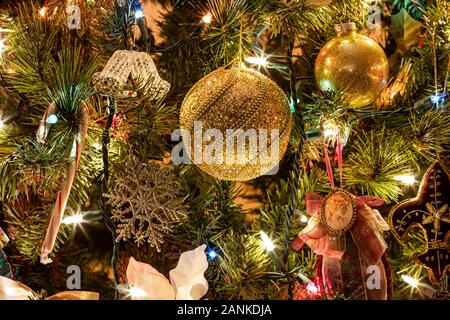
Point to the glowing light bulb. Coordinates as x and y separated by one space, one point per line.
52 119
438 98
326 85
136 292
2 46
260 61
291 105
75 219
207 18
138 14
406 179
304 219
42 12
330 129
212 254
266 241
312 288
411 281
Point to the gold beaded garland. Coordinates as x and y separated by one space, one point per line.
232 105
353 65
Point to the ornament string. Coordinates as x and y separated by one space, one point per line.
328 164
339 148
63 195
105 210
298 121
338 156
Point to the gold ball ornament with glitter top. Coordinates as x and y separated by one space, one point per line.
236 124
353 65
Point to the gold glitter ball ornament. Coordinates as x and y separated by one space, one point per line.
236 124
354 65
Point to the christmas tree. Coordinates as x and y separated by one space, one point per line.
224 149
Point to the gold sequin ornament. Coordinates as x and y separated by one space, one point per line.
354 65
236 124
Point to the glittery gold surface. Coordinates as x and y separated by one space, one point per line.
354 65
236 98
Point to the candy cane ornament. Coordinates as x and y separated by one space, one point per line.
63 195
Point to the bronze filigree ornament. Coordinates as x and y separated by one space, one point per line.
428 211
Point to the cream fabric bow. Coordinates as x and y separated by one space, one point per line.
13 290
187 281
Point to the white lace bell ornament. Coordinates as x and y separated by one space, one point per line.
115 75
145 73
125 65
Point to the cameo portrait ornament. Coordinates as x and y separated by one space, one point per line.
338 212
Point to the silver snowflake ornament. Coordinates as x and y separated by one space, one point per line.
145 202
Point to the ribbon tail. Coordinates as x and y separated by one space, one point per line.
318 240
75 295
374 275
312 203
13 290
331 275
371 247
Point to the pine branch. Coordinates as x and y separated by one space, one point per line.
242 269
27 219
375 158
33 41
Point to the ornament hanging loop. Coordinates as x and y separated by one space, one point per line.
338 156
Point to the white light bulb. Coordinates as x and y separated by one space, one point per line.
406 179
266 241
212 254
260 61
139 14
312 288
411 281
207 18
304 219
330 133
42 12
52 119
2 46
330 129
75 219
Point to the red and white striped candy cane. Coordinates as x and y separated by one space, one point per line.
63 195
